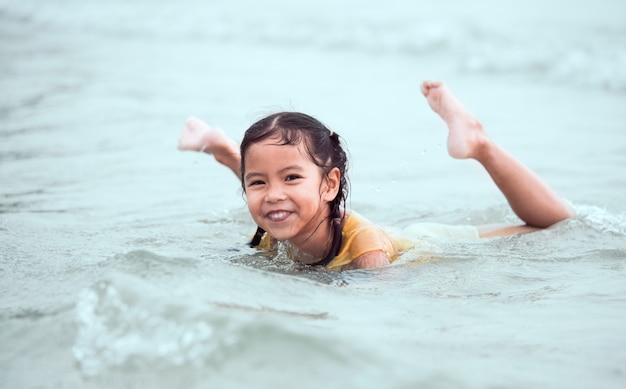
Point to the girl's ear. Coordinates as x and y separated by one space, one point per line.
332 181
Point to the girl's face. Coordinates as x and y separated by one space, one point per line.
286 192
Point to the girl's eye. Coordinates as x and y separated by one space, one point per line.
292 177
255 183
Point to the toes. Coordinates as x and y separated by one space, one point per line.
427 85
194 123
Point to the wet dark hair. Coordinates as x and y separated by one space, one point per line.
323 146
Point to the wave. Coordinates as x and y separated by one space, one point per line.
597 63
601 219
590 57
127 326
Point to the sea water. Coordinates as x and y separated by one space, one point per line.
123 261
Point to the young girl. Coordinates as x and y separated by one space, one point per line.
293 173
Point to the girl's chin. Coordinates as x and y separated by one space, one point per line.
280 236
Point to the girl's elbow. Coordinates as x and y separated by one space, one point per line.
370 260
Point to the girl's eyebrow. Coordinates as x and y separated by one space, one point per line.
251 175
283 170
291 167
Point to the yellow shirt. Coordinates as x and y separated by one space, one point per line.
359 236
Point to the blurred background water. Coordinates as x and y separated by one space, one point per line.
122 261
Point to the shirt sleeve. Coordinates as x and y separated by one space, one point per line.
369 239
360 238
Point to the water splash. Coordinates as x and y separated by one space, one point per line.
128 325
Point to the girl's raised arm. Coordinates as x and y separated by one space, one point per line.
199 136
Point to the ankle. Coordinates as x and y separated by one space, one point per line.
225 156
485 150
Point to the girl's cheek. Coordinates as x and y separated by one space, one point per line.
252 200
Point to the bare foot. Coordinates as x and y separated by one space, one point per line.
199 136
466 135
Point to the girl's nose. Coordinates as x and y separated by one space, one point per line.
275 193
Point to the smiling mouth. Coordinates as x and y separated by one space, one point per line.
278 216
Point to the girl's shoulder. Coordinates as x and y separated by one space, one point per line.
356 221
361 236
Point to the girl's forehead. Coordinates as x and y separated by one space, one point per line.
277 145
274 149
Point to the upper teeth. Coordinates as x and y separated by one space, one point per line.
277 215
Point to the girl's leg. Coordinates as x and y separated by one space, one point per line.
199 136
530 197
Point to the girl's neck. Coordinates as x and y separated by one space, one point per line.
317 246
